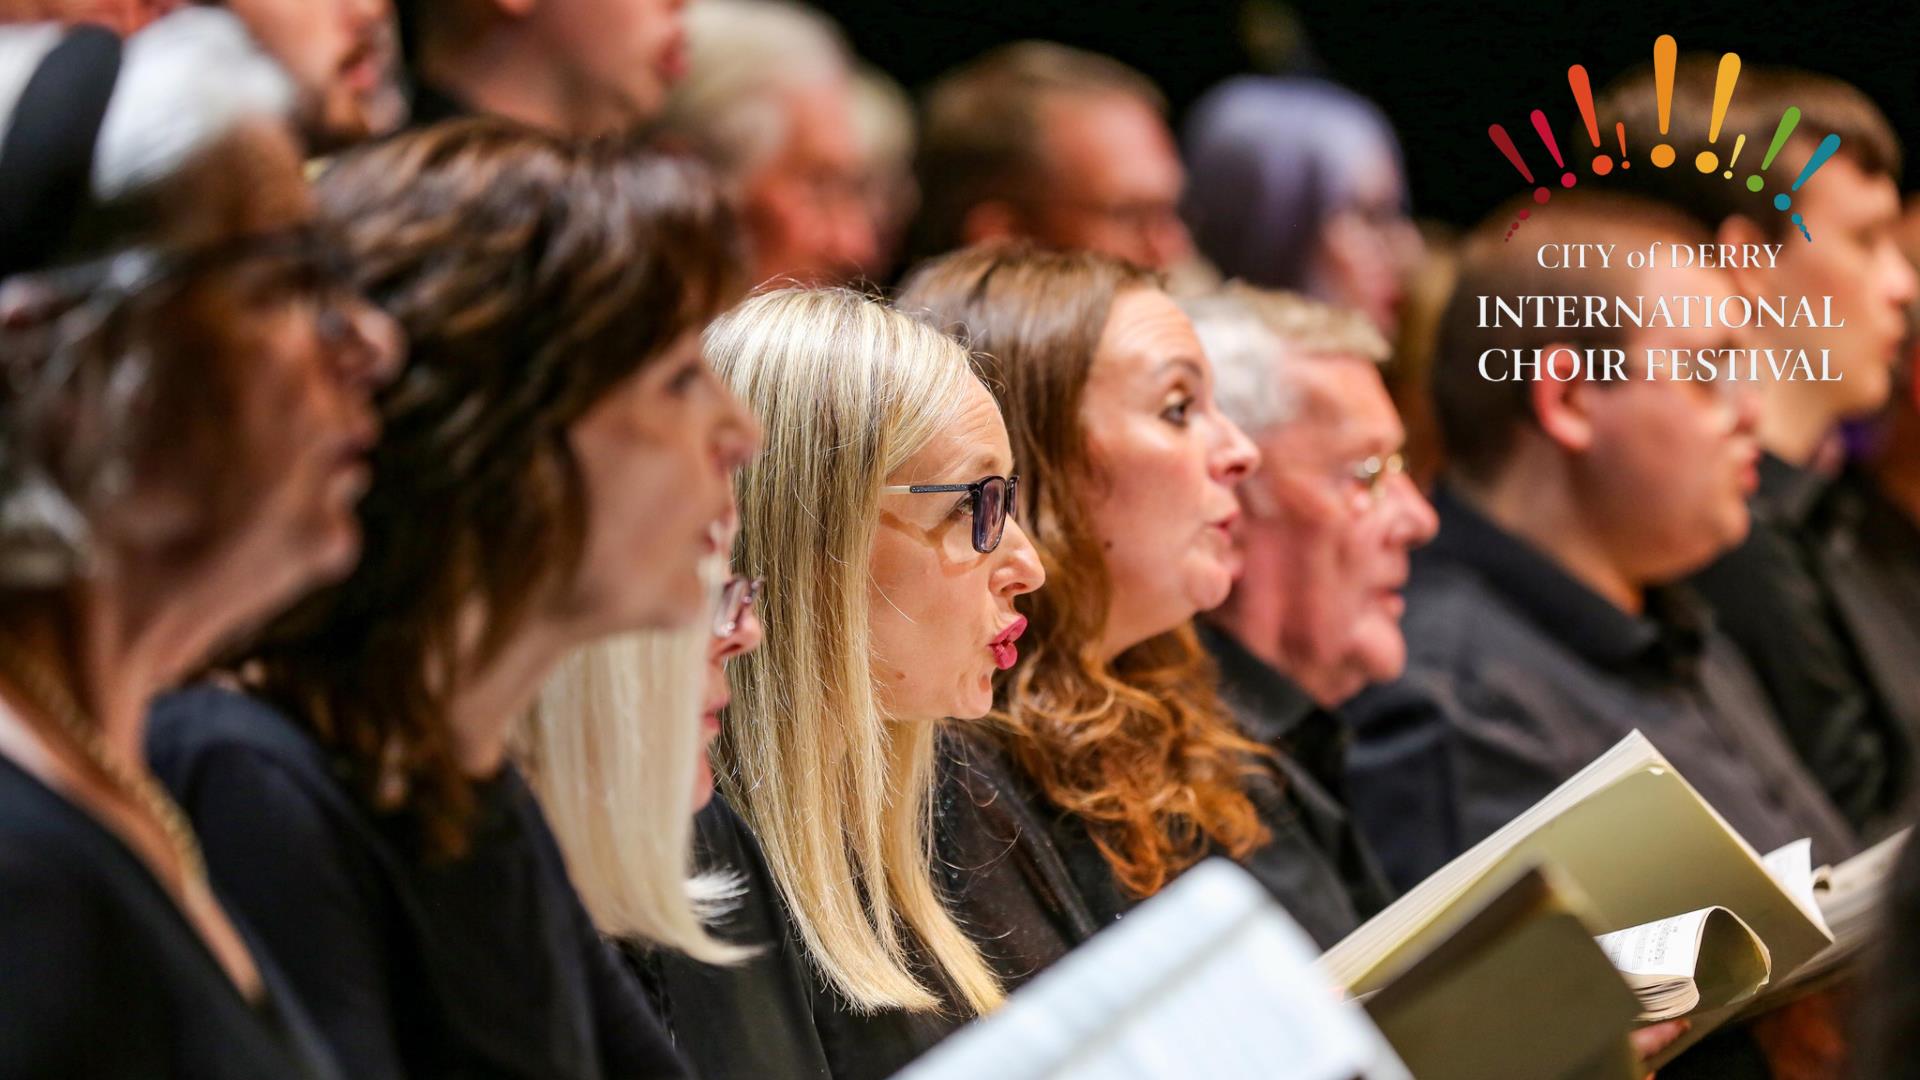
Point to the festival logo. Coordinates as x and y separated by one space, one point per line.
1663 155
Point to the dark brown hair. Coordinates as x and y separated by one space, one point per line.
531 275
1141 749
1826 105
1478 417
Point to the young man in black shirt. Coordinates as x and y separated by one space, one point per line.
1546 622
1776 594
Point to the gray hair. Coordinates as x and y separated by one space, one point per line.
1254 337
741 55
185 83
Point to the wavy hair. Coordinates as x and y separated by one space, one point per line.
838 792
1140 748
531 275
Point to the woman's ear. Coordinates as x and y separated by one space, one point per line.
1560 408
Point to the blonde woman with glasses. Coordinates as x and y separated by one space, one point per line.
881 513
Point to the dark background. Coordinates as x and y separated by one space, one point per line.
1442 72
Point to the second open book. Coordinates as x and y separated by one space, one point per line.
1698 923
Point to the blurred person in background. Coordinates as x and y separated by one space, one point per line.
1065 148
1298 184
343 55
1771 594
344 58
579 67
883 121
121 16
183 430
770 102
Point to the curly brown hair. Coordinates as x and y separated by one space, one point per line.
1140 748
531 275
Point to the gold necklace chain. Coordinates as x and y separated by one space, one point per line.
51 697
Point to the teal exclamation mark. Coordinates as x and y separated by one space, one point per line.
1820 155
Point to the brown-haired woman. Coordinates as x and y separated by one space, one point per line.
556 464
185 404
1116 766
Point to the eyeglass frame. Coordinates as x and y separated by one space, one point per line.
977 492
737 597
1376 471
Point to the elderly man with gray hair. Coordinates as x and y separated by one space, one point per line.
769 101
1331 516
1329 520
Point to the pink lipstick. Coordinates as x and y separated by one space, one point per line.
1004 652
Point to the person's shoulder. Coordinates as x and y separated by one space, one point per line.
241 767
1455 617
186 726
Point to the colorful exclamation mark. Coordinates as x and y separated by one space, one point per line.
1583 96
1664 51
1820 155
1708 161
1620 129
1788 121
1738 142
1505 143
1545 131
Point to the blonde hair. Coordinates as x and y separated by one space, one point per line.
838 793
610 749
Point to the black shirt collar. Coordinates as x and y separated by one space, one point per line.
1272 707
1789 492
1668 636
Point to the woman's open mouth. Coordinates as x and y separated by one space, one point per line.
1005 654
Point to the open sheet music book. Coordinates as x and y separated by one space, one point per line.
1209 978
1641 846
1849 900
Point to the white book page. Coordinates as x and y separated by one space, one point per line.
1669 948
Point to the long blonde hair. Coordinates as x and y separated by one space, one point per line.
610 749
838 793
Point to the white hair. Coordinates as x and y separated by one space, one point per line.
610 748
1254 337
185 82
741 56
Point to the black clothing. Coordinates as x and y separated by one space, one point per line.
412 966
1772 598
1868 554
1519 676
773 1016
1312 744
1029 884
101 975
432 105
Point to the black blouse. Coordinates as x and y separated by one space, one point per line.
772 1017
482 966
1029 884
102 976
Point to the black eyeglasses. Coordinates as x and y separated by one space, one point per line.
992 504
736 599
